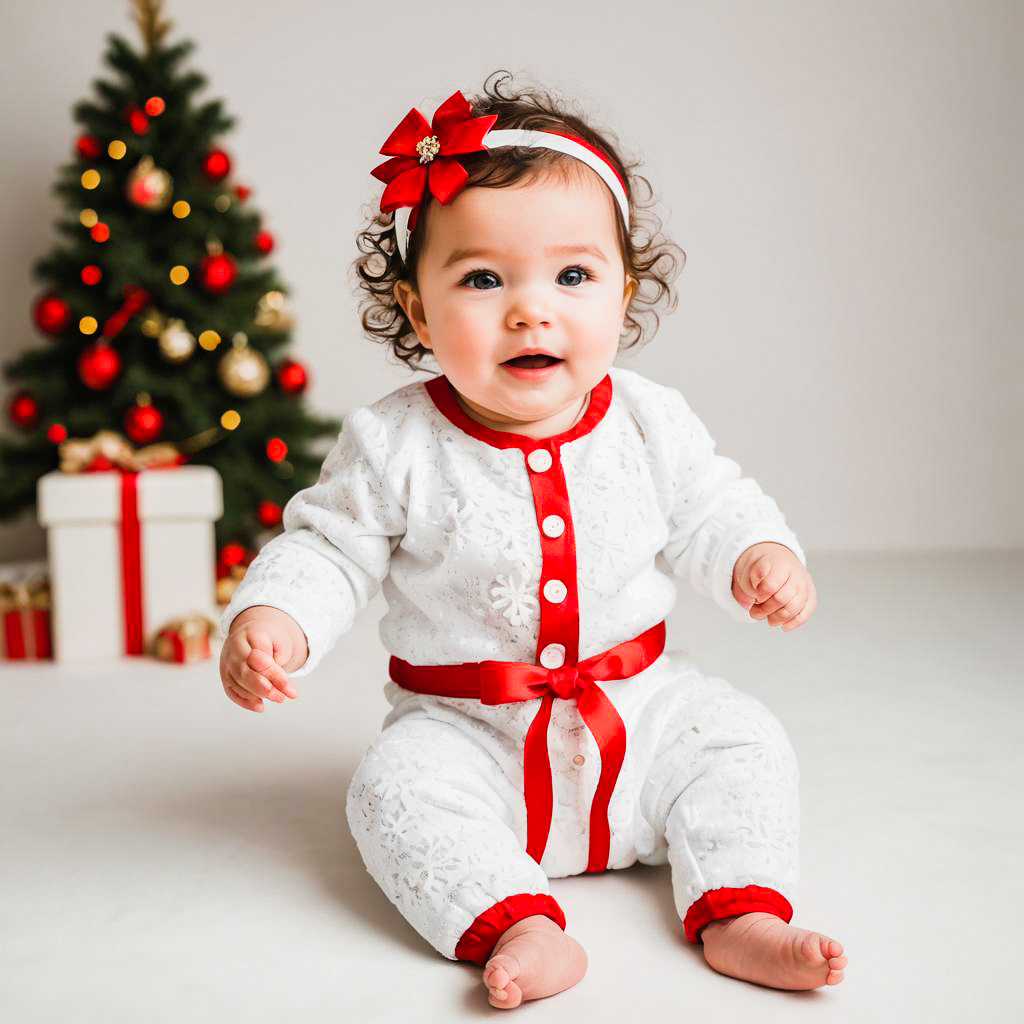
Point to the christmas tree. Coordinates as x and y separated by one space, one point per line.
163 319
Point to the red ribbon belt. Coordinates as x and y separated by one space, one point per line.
505 682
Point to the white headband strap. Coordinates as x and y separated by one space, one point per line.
531 140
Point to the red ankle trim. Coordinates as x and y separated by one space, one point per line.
483 934
726 902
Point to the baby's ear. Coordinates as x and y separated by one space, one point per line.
628 292
413 308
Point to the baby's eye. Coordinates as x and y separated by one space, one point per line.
577 270
473 274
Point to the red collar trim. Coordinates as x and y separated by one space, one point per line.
443 396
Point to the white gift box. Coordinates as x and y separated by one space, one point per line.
112 586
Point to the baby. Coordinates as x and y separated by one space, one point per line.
525 512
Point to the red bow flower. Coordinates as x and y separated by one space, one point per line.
414 144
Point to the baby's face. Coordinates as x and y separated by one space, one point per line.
531 287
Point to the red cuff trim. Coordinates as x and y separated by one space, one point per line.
483 934
727 902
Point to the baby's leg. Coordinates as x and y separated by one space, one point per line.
431 814
724 788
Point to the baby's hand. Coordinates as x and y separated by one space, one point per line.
260 642
771 582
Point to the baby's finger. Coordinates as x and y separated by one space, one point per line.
269 669
788 611
243 699
804 614
259 685
778 600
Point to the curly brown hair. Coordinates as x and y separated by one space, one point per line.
644 248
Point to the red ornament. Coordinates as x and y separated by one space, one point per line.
57 433
217 273
216 165
99 366
136 118
52 314
292 378
23 409
143 423
99 232
88 147
91 274
155 106
276 449
243 192
269 513
230 555
264 242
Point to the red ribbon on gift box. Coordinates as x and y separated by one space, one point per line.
15 600
131 549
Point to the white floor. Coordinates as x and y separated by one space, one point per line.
167 856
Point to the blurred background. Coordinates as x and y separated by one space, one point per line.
844 179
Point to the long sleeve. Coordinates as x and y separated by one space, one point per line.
337 542
717 513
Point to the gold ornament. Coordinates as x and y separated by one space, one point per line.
176 344
274 312
149 187
227 585
243 371
151 324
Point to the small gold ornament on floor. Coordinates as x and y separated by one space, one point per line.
183 640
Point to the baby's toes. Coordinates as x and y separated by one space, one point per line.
834 977
500 970
814 948
495 976
837 963
506 998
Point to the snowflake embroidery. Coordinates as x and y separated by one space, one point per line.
392 827
429 867
394 784
514 599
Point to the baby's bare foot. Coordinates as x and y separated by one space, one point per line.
762 948
532 959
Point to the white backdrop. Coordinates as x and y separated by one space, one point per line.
844 177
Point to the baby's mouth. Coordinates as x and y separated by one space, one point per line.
532 361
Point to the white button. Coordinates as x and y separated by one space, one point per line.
553 656
555 591
539 460
578 759
553 526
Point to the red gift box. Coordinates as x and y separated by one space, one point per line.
25 608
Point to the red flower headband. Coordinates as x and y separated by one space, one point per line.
414 143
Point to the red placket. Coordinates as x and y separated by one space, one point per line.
560 674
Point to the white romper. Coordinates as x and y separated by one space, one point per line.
497 547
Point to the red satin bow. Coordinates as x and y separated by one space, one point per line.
414 144
501 682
